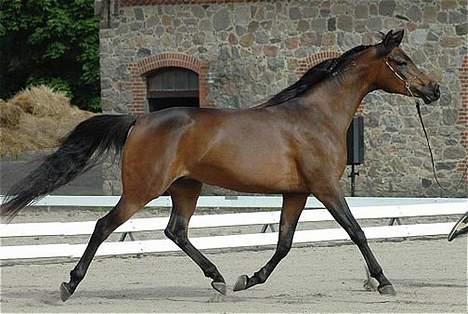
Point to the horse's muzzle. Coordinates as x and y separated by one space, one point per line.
429 93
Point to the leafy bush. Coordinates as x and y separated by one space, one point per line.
54 83
50 41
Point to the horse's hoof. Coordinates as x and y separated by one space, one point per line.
388 290
241 283
65 293
219 286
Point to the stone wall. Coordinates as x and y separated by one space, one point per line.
245 51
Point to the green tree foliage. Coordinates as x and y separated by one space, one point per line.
50 41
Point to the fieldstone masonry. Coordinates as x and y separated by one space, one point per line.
245 51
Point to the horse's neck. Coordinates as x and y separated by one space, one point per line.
340 97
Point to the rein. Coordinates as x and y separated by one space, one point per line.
418 108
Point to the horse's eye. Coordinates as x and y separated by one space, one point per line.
400 62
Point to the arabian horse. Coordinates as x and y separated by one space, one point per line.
294 145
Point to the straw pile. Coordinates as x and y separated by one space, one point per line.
36 118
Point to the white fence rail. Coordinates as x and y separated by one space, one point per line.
235 201
362 208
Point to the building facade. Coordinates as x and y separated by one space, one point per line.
236 53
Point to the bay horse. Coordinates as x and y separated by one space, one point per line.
294 145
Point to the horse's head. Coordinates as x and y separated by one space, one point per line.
398 74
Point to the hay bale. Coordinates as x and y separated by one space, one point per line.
10 115
35 119
42 101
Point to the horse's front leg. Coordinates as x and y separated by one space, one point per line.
332 197
293 204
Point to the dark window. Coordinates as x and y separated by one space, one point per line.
172 87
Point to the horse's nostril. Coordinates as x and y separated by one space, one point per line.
436 90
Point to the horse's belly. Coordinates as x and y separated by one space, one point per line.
251 178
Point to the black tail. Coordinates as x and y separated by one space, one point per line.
82 149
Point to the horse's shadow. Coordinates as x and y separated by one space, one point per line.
172 293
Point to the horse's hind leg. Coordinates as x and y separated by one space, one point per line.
293 204
334 201
184 194
104 227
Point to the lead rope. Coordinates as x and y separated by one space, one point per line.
418 108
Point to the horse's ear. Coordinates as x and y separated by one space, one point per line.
390 41
398 37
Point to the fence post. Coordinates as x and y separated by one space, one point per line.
124 235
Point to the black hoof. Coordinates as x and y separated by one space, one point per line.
241 283
388 290
219 286
65 293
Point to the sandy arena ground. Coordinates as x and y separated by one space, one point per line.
429 276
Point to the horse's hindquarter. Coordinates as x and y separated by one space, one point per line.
247 151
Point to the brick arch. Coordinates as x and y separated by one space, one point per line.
310 61
140 69
463 112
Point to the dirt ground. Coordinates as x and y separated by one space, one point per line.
429 276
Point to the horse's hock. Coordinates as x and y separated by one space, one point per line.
244 51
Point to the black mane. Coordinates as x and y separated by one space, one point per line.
313 76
